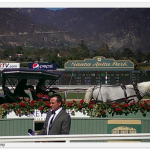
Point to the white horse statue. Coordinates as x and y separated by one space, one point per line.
116 93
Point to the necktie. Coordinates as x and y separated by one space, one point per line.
50 121
53 112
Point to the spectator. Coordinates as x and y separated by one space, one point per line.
19 91
41 90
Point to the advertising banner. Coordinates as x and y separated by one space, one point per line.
37 115
46 66
9 65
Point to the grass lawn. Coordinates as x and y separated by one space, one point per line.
147 96
81 96
73 95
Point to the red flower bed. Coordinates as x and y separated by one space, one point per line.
91 108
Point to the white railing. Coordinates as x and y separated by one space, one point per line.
75 138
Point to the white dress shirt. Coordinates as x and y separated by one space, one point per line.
56 113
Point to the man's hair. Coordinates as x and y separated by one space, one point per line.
59 98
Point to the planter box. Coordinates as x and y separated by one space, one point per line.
38 116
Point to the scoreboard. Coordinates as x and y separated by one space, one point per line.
94 78
140 76
102 77
97 77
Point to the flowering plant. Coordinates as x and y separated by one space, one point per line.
92 109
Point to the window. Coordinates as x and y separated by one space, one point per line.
87 81
88 75
102 74
74 74
78 78
69 75
92 74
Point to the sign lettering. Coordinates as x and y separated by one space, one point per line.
99 63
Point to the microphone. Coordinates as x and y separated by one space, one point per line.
30 132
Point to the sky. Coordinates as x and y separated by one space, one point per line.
60 5
55 8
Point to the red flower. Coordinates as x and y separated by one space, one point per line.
118 109
90 106
23 104
18 111
6 107
79 105
28 100
32 104
142 105
45 102
32 101
69 104
116 103
82 101
94 102
4 104
131 104
74 101
102 112
125 105
41 107
90 102
114 106
148 108
125 99
13 104
40 100
48 104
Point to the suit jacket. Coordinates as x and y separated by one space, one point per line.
60 125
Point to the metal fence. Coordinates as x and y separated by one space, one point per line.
74 138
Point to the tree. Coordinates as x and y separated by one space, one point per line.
19 50
147 57
117 55
139 56
104 50
83 50
127 53
136 64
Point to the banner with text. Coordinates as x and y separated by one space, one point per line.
45 66
99 63
9 65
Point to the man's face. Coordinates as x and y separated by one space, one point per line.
54 104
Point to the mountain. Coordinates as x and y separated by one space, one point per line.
118 27
18 29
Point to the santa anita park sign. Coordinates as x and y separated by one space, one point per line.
99 63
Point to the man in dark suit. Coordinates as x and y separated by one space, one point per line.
41 88
57 121
19 91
